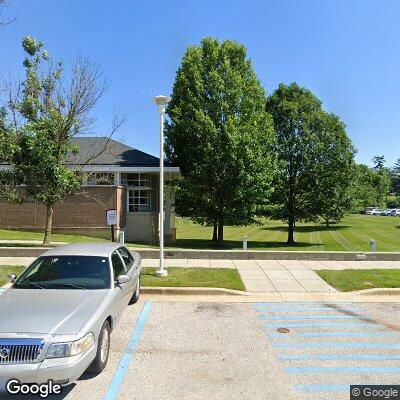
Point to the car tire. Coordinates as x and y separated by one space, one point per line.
103 350
136 293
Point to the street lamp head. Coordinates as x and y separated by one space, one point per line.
162 102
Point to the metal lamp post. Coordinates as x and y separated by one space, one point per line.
161 102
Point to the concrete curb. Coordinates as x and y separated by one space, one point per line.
377 292
230 254
190 291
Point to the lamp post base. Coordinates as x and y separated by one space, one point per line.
161 273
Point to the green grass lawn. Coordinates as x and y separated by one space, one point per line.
353 233
6 269
357 279
6 234
194 277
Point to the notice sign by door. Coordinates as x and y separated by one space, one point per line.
111 217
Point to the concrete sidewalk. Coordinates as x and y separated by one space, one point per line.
266 276
263 276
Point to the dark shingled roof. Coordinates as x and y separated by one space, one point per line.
105 151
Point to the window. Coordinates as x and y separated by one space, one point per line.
138 201
137 180
117 264
66 272
127 256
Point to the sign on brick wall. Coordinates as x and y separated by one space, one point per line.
111 216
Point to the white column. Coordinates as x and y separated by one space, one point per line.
117 178
161 271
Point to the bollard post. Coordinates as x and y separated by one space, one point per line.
373 246
122 237
244 242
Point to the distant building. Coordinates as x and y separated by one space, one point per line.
116 176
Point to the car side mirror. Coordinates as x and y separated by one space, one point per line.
11 278
123 279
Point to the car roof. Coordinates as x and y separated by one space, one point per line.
83 249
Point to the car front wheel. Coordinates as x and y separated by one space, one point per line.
103 350
136 293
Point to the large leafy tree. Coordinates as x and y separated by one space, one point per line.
369 187
37 125
395 177
311 147
219 134
334 170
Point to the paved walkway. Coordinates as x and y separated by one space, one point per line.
263 276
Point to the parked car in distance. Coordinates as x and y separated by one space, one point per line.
374 211
395 212
58 315
386 212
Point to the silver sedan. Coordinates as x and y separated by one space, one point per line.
57 317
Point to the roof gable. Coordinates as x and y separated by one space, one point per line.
105 151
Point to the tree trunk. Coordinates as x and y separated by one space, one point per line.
215 232
327 223
291 225
49 224
220 234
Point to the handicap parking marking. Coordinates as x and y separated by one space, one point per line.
303 317
318 388
281 310
285 304
343 370
335 334
119 375
320 325
2 290
330 329
339 357
354 345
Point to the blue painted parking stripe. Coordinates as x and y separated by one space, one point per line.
343 370
286 310
335 334
339 357
301 317
301 303
123 366
332 324
356 345
317 387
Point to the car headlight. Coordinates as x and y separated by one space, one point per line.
58 350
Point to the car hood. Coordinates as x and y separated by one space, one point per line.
47 311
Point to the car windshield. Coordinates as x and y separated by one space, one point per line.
66 272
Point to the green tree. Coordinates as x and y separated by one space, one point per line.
395 177
396 167
311 148
219 134
51 111
379 162
369 187
335 170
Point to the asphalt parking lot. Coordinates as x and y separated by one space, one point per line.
226 350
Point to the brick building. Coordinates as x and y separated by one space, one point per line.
116 176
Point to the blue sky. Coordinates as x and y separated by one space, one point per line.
346 51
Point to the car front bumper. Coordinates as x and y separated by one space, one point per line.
61 370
